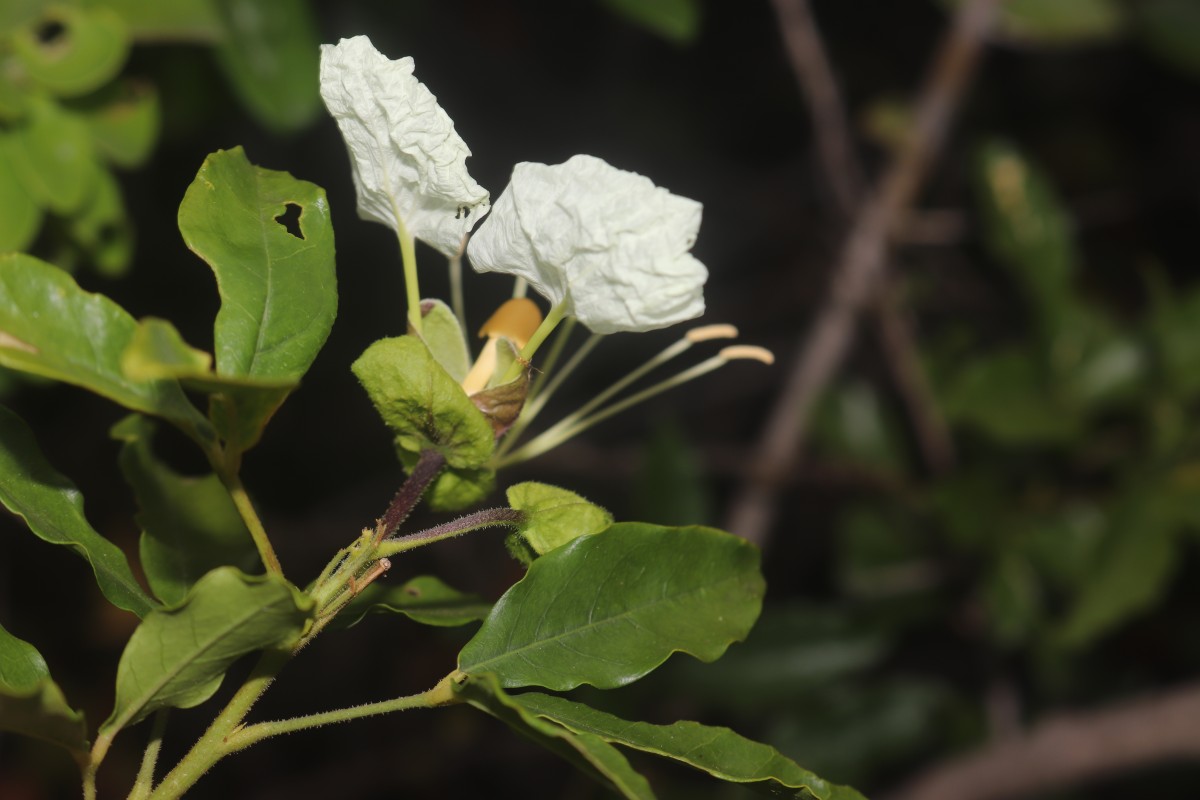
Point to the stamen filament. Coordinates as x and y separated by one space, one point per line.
520 287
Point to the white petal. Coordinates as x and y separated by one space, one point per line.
608 243
408 162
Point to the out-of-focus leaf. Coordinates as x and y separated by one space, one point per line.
606 609
1062 545
175 21
51 150
674 20
1171 30
20 216
71 50
1003 396
31 703
190 525
123 118
1012 595
1025 225
102 228
270 53
423 599
670 487
178 656
1133 565
1058 22
853 423
51 327
555 516
1177 347
588 752
720 752
53 509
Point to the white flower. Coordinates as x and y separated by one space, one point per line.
608 244
409 164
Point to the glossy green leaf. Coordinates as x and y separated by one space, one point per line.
71 50
20 215
189 524
717 751
278 288
1025 225
424 407
178 656
270 53
675 20
102 229
423 599
238 407
555 516
176 21
607 609
588 752
444 337
53 509
123 118
51 327
31 703
52 152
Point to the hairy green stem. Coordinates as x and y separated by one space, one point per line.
487 518
429 464
145 776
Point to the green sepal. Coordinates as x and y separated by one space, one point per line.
87 52
190 525
444 337
587 752
32 704
178 656
608 608
720 752
554 516
425 599
52 507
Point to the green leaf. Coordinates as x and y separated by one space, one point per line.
588 752
674 20
606 609
53 509
270 53
278 289
422 404
178 656
71 51
123 118
189 524
1003 396
30 703
717 751
444 337
423 599
176 21
1026 227
52 153
102 229
20 215
455 488
239 408
555 516
51 327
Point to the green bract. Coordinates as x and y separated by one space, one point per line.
554 516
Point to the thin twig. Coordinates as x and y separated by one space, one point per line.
1068 749
858 270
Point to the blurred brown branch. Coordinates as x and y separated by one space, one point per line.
1068 749
860 266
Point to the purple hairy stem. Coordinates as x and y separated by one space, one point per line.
409 494
487 518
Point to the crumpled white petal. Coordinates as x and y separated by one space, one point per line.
608 243
408 162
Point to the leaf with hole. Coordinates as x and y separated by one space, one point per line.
178 656
606 609
53 509
31 704
70 50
